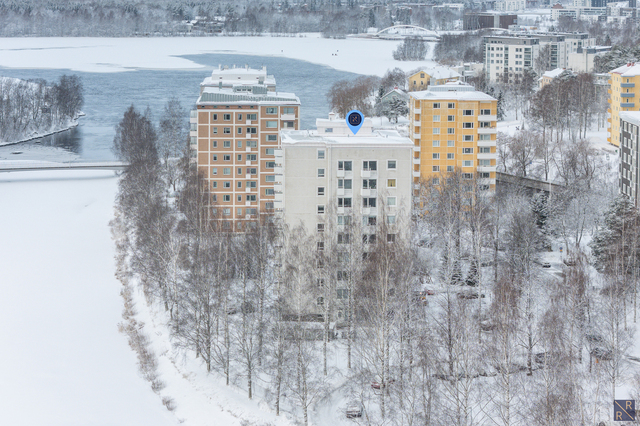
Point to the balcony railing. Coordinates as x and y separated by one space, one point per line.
627 85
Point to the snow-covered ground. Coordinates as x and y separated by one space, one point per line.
361 56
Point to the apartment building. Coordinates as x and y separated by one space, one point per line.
331 171
234 135
623 96
454 126
228 78
507 57
432 76
629 176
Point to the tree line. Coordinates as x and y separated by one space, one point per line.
445 317
35 107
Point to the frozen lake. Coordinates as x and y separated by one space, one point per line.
107 95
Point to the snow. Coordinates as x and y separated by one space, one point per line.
63 360
90 54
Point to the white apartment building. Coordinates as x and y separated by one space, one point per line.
330 171
629 176
507 57
227 78
508 5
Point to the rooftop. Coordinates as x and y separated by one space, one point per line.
554 73
228 77
215 95
631 117
439 73
452 91
631 69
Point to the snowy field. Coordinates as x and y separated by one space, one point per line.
126 54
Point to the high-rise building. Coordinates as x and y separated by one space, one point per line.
453 126
506 58
629 176
623 96
234 134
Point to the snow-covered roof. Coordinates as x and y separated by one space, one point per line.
439 73
452 91
554 73
376 138
628 70
211 95
229 77
401 93
630 116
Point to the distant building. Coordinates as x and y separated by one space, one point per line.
549 76
629 175
395 94
227 78
478 20
583 60
454 126
506 58
234 135
432 76
624 96
508 5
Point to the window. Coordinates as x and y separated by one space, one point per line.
450 156
451 105
343 237
288 110
467 112
252 144
226 170
467 138
435 156
214 197
328 130
239 198
320 209
467 125
272 138
226 144
268 205
485 112
214 130
321 190
320 173
391 219
342 293
484 150
226 157
485 124
467 176
269 191
239 130
254 171
436 144
288 124
320 245
466 163
271 110
270 178
391 201
342 275
214 117
250 197
484 137
252 157
252 130
239 184
451 118
239 170
226 198
451 130
435 168
214 170
391 238
369 183
271 124
344 220
436 131
345 184
239 157
239 117
435 181
370 165
451 143
270 151
436 105
320 227
436 118
321 154
226 212
270 164
344 202
252 116
226 117
484 163
391 183
369 220
214 144
449 168
391 164
345 165
368 238
252 184
368 202
467 150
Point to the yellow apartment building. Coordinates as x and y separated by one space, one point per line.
234 135
454 126
623 96
422 79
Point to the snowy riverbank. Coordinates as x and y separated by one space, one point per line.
37 135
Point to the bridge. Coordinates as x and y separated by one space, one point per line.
398 32
529 183
25 166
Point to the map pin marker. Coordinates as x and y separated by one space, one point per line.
354 120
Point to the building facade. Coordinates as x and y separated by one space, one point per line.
432 76
234 135
454 127
629 176
506 58
623 96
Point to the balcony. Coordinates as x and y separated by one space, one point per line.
193 133
278 170
487 169
340 192
369 173
277 152
278 187
193 116
417 110
487 130
369 192
416 148
627 85
369 210
487 118
280 197
627 105
627 95
416 160
487 156
288 117
487 143
416 123
416 173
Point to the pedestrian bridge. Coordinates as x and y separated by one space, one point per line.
401 31
27 166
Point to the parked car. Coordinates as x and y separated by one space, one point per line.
354 409
546 265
